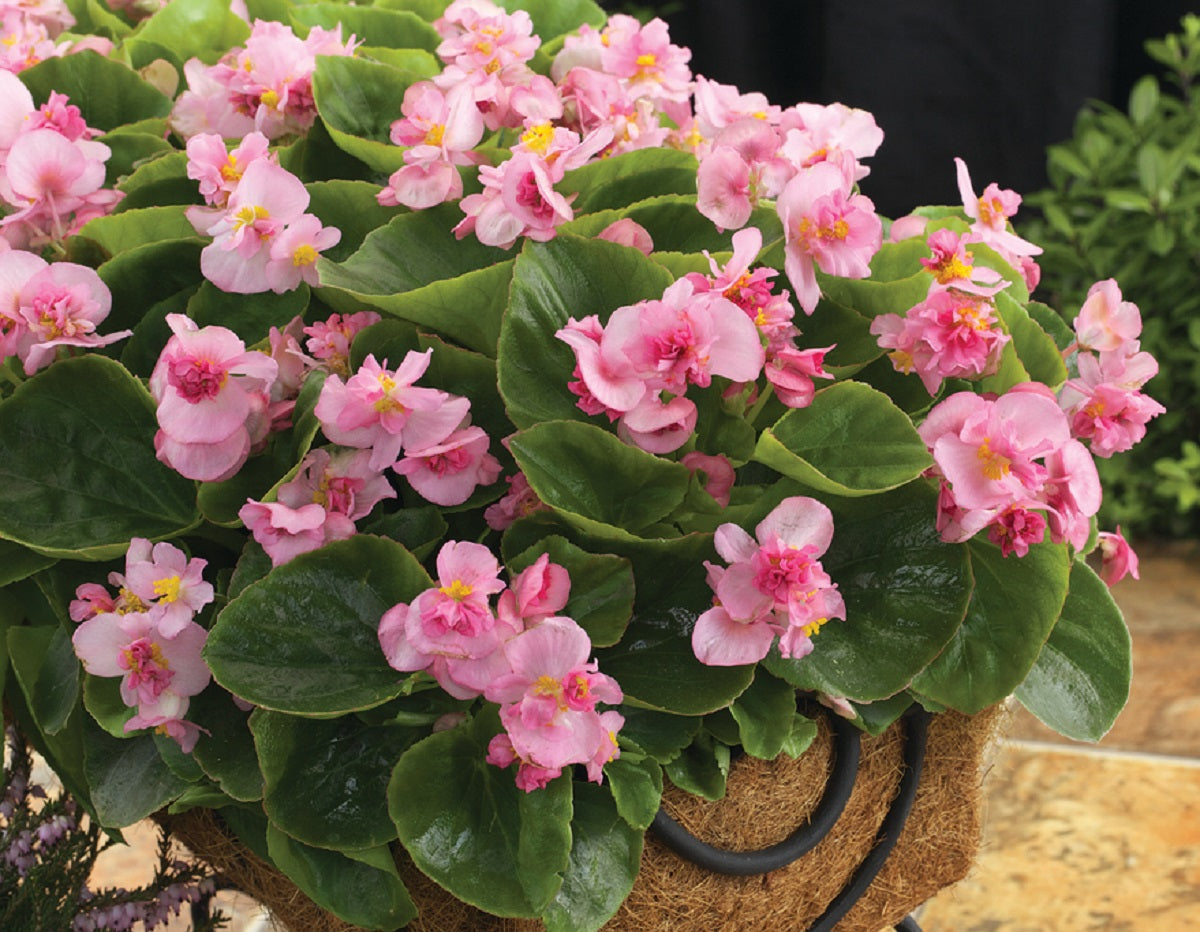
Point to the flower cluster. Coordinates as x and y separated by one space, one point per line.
146 635
52 169
33 32
265 86
773 586
521 654
262 237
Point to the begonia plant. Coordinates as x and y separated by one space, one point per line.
433 427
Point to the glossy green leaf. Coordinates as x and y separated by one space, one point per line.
906 593
250 316
602 587
362 888
352 208
636 783
1034 347
416 62
205 29
86 425
358 100
145 277
129 149
1015 603
326 781
624 179
128 777
157 183
17 562
48 673
852 440
418 529
702 768
870 298
467 825
1080 681
116 233
847 331
106 92
305 638
552 282
764 714
371 26
415 269
675 225
660 734
605 856
801 735
226 751
554 17
580 469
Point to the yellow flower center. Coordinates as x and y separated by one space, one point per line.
995 465
952 269
304 255
538 138
167 588
270 98
813 627
435 134
248 216
128 603
457 590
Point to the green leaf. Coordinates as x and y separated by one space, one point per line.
1035 347
580 469
659 734
467 825
130 149
160 182
605 856
870 298
358 101
1003 632
764 714
145 277
552 18
552 282
17 562
415 269
326 781
250 316
128 777
624 179
675 225
362 888
852 440
85 425
205 29
1080 681
702 768
906 593
636 783
352 208
417 63
107 93
1143 99
116 233
226 753
602 587
418 529
56 693
305 638
391 28
801 735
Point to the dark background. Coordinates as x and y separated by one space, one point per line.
993 82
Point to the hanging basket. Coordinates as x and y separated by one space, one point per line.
888 845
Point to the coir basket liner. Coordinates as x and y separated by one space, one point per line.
765 802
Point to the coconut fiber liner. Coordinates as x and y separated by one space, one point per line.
764 803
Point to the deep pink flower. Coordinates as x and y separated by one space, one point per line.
1118 558
448 472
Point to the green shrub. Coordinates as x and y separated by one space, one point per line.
1124 203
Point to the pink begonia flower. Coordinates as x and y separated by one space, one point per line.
385 411
16 105
1106 322
657 426
342 482
686 338
725 193
644 57
907 227
627 232
774 584
834 133
450 630
1015 529
520 500
716 472
266 200
441 130
991 211
294 252
791 373
951 267
220 170
212 397
163 577
951 334
285 532
611 722
538 591
1071 493
207 106
60 304
718 105
1105 404
158 674
484 37
448 472
606 380
329 340
1118 559
548 701
751 290
91 599
826 228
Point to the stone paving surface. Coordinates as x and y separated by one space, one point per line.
1078 837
